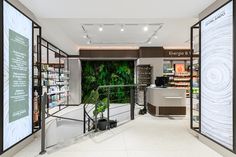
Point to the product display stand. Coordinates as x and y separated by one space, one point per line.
144 77
55 77
195 91
178 79
36 80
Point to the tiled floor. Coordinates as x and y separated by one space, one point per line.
146 136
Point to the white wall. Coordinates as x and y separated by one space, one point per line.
157 66
50 31
211 8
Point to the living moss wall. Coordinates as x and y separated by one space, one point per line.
96 73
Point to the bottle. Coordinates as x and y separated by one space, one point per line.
35 101
36 113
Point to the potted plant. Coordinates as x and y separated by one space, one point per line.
101 106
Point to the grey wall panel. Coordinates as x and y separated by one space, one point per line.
75 81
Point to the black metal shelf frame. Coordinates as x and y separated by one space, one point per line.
60 54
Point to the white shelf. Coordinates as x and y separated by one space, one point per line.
65 78
174 97
57 92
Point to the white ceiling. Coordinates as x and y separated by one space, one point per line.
116 8
62 21
130 34
174 32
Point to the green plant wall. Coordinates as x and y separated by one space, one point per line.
96 73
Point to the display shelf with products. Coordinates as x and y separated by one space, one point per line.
55 76
182 81
56 86
178 73
143 76
36 85
195 92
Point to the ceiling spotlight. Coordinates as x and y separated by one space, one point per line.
85 36
122 29
145 29
149 42
100 29
89 42
155 37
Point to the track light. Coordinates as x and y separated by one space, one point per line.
145 29
122 29
100 29
89 42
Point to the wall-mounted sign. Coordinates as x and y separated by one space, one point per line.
217 76
177 53
17 96
160 52
179 68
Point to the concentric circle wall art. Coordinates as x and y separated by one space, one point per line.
217 76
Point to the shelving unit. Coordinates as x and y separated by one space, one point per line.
55 77
195 80
144 76
36 97
55 84
195 93
178 79
36 85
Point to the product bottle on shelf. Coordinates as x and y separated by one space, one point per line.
36 113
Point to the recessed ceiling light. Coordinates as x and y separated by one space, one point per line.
85 36
149 42
122 28
100 29
145 29
155 37
89 42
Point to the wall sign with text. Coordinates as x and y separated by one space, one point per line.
177 53
217 76
17 80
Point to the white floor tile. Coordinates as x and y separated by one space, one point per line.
146 136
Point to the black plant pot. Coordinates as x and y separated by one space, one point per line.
113 123
102 124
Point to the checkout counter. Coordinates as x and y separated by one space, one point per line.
166 101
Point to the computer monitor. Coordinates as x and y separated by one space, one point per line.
162 81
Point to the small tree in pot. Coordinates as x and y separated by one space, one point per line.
101 106
93 98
